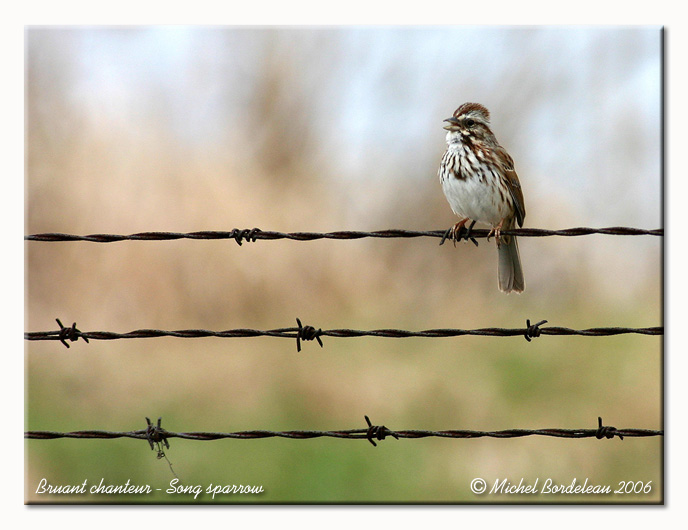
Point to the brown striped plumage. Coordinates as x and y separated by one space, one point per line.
480 183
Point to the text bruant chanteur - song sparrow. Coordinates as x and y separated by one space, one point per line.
479 181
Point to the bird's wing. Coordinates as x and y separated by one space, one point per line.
513 184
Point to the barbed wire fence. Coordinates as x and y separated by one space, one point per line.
158 437
155 434
308 333
255 234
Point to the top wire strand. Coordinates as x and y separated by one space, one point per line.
254 234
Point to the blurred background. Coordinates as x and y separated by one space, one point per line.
323 129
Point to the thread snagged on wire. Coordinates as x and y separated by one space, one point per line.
157 437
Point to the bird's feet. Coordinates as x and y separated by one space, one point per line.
497 232
456 233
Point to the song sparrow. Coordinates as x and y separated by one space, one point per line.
479 181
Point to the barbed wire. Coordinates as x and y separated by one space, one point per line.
157 436
254 234
308 333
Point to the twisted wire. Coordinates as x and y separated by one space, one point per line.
156 434
253 234
292 333
307 333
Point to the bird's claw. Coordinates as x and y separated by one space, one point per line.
456 233
497 232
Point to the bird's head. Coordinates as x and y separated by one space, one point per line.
470 119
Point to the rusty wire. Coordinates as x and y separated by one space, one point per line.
307 333
254 234
157 436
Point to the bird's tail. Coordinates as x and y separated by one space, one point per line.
510 270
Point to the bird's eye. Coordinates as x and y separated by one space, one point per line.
469 122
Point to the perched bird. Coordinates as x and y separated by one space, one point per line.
479 181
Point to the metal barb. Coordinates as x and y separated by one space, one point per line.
307 333
449 234
246 234
71 333
469 232
378 431
606 431
157 437
534 330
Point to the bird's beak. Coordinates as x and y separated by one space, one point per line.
453 123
